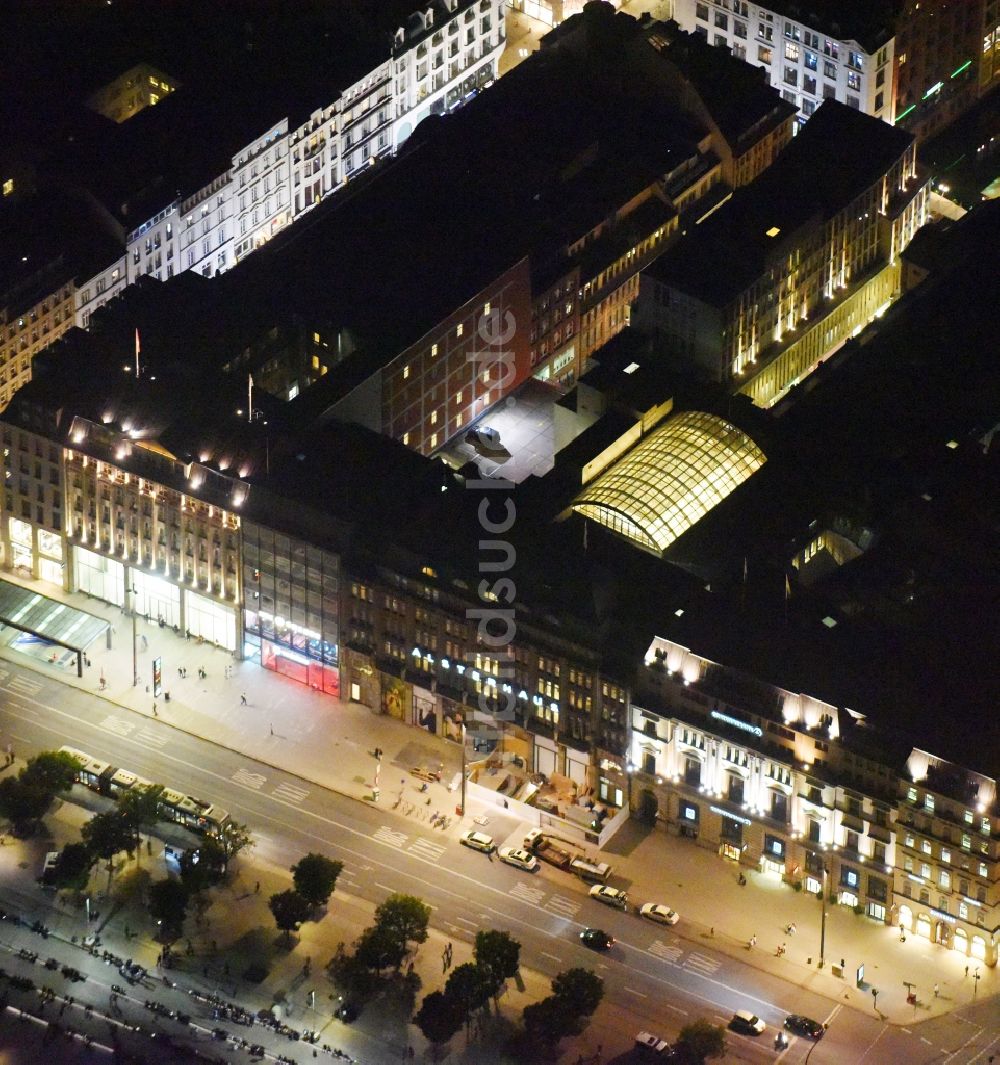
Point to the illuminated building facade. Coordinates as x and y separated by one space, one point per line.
124 533
787 247
139 87
811 794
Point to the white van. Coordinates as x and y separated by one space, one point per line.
593 871
48 868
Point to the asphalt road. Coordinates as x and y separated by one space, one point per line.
655 978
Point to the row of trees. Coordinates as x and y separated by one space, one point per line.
400 922
313 878
24 799
496 957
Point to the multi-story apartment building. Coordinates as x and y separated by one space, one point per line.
844 52
798 260
918 63
95 291
814 796
139 87
150 247
261 190
206 229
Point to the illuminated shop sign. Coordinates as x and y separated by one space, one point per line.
754 730
732 817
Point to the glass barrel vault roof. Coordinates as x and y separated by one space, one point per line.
673 477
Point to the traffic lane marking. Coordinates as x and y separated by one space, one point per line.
367 837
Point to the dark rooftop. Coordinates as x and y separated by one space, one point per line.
812 179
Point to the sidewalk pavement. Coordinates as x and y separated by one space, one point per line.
330 743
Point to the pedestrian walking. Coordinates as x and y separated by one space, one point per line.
243 698
272 730
936 989
966 970
155 714
256 888
711 932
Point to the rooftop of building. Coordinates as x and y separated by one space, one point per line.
812 179
47 239
869 22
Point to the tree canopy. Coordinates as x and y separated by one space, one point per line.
315 877
439 1017
168 900
701 1040
290 909
580 991
498 952
404 919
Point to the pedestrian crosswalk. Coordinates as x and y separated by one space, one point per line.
701 963
562 906
151 738
24 685
663 950
426 848
290 792
249 779
390 836
526 893
119 726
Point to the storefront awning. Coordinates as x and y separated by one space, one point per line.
48 619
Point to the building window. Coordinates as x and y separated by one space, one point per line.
856 60
853 101
740 29
879 101
809 84
792 51
791 76
763 53
854 80
811 61
830 70
459 329
701 11
406 372
831 48
721 21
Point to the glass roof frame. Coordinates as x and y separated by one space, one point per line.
671 479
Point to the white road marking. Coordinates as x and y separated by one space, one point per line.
119 726
532 895
632 991
290 792
385 834
471 924
428 848
662 950
24 685
546 954
152 738
701 962
249 779
563 906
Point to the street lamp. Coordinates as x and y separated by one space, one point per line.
975 987
133 591
462 809
822 921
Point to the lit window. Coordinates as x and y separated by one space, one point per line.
315 362
406 438
434 350
434 417
459 329
434 440
486 377
459 419
316 339
406 372
486 307
8 186
458 397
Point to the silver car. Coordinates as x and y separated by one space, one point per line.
478 841
519 858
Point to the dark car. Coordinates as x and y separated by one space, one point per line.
596 939
804 1026
346 1012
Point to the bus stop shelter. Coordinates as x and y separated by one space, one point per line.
48 619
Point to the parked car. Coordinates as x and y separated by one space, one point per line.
519 858
655 911
485 437
746 1022
804 1026
610 896
652 1045
597 939
478 841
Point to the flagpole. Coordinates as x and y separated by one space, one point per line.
137 354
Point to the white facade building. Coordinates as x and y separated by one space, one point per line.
262 189
205 239
805 64
150 249
94 292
